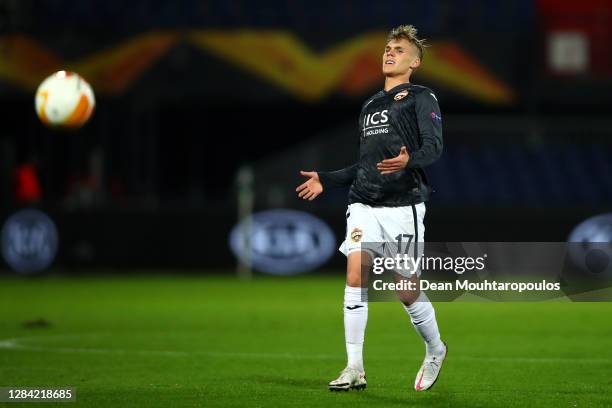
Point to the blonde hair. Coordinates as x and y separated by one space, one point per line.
408 32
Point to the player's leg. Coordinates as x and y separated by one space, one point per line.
355 310
355 319
423 318
407 223
355 305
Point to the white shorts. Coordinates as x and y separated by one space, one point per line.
384 231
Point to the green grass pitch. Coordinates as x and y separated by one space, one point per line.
201 341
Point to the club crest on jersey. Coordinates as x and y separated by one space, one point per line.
356 235
401 95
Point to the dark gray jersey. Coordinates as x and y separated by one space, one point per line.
407 115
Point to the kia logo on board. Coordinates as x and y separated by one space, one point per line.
590 245
29 241
283 242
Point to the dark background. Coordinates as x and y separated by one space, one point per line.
150 180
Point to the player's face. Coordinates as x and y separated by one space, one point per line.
399 58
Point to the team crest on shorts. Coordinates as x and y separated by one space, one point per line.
356 235
401 95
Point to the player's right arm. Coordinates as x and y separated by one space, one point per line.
339 178
311 188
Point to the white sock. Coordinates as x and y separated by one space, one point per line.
423 318
355 319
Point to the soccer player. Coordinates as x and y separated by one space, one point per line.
400 134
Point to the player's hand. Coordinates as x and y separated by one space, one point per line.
397 163
311 188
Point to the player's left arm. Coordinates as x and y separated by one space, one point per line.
429 121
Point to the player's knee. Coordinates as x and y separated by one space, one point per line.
356 273
408 297
353 280
410 291
353 276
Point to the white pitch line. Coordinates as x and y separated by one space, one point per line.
18 344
